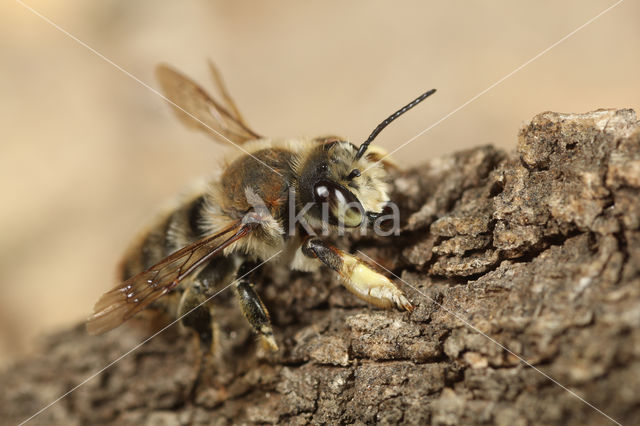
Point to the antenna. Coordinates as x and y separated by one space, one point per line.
389 119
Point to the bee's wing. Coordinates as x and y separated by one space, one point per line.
197 109
226 97
121 303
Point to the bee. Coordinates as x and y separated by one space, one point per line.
270 199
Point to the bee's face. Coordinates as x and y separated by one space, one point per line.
344 191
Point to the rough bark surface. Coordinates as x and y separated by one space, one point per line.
533 255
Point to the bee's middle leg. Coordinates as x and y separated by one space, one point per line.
253 308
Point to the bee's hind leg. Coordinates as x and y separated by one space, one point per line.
197 314
253 308
195 309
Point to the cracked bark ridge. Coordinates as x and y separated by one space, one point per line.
538 249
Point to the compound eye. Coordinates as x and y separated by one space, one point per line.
321 192
342 205
327 191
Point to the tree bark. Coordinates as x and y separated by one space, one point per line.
525 272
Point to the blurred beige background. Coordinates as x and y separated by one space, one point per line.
87 153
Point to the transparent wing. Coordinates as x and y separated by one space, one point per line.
121 303
222 89
196 109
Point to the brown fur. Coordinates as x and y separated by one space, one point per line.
240 217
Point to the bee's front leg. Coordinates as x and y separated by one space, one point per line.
253 309
358 277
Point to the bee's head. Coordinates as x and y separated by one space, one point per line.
340 188
343 184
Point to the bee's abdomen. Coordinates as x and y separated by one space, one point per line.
179 228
